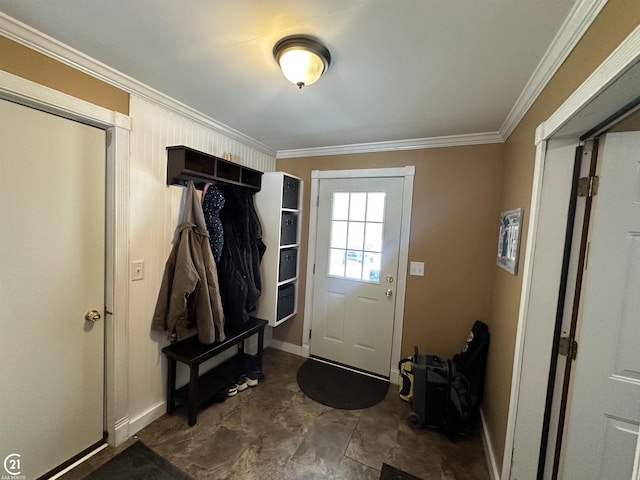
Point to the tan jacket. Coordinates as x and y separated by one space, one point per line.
189 289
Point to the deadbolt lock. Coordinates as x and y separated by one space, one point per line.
389 278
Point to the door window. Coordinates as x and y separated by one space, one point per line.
355 245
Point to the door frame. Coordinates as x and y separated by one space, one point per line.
408 173
601 95
117 127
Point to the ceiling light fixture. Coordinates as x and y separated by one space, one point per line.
302 59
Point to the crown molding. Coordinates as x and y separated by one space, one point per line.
619 61
42 43
395 145
574 27
578 21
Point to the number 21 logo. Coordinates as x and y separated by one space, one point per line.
12 464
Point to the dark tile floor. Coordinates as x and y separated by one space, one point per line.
273 431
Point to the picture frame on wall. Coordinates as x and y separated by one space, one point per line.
509 240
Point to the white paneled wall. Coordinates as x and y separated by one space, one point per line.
154 211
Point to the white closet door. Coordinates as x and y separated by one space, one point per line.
604 413
52 217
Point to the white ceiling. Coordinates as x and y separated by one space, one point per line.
401 69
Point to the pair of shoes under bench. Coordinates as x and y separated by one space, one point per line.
255 376
243 382
249 379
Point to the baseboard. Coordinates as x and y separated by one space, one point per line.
488 449
148 417
121 432
286 347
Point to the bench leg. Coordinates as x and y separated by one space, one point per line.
193 395
171 385
260 347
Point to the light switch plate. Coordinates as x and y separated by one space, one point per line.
416 268
137 270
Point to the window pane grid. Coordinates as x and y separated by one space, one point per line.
355 244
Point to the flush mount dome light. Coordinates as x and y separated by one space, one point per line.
302 59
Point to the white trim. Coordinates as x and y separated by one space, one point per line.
116 125
311 254
394 375
26 92
636 462
117 292
524 307
403 261
410 144
121 432
408 173
365 173
574 27
623 57
578 21
287 347
42 43
152 414
492 466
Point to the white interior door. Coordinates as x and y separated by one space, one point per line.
356 267
604 411
52 197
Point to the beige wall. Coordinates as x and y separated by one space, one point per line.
29 64
454 229
615 22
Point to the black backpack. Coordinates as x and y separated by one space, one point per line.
472 360
460 403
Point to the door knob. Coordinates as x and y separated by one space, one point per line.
388 292
92 316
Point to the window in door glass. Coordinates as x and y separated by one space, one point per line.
355 244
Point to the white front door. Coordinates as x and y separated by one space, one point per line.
356 268
52 256
604 412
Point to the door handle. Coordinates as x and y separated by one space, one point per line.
92 316
389 292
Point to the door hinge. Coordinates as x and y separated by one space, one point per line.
309 334
588 186
318 201
568 347
314 268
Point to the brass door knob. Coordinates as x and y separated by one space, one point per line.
92 316
388 292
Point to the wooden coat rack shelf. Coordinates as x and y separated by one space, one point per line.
184 164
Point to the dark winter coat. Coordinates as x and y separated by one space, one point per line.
239 267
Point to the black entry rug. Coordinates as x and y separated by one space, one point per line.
138 462
338 387
391 473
